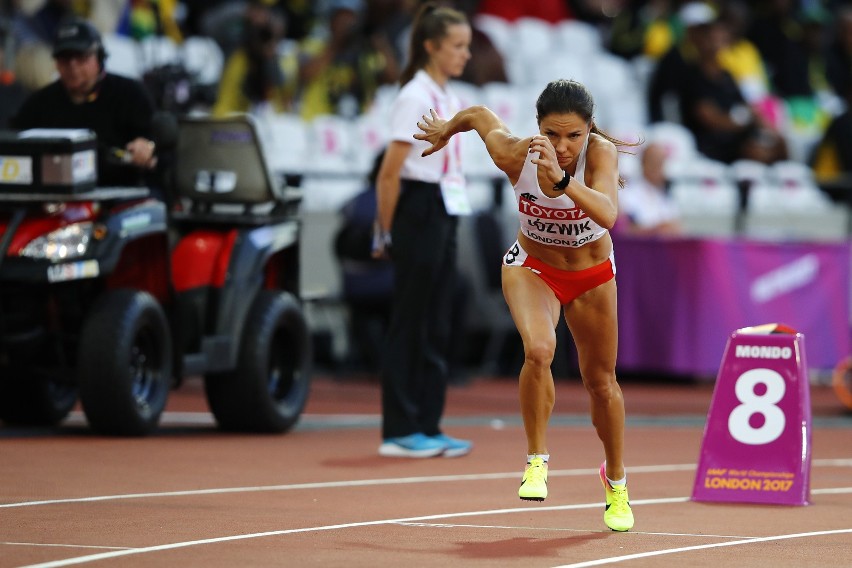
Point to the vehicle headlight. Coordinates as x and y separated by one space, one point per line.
71 241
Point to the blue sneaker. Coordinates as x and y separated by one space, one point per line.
412 446
453 447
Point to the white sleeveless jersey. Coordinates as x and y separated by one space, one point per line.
553 221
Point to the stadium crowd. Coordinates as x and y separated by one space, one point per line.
762 82
766 80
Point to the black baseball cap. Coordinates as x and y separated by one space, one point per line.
76 36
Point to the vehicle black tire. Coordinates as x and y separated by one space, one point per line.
124 365
269 388
31 397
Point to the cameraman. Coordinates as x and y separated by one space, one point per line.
118 109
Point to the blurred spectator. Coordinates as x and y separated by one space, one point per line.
38 21
810 109
839 57
773 30
831 159
41 26
740 56
393 18
12 92
340 74
725 127
301 17
667 76
146 18
644 204
793 45
105 15
777 33
224 21
34 66
195 12
258 76
645 28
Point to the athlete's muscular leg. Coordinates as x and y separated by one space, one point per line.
535 310
593 322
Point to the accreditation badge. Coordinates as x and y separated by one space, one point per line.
454 192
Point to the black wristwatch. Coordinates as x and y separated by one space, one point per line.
563 183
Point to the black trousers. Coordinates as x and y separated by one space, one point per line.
414 370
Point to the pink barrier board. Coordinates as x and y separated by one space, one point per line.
757 440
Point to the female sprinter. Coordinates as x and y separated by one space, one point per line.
566 183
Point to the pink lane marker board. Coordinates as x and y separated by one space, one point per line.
757 440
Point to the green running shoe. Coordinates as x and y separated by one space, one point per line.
534 483
618 516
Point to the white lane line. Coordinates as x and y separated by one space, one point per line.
339 484
836 462
507 527
179 418
370 482
186 544
157 548
59 545
615 559
169 418
558 529
831 491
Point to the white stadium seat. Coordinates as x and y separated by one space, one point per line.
532 37
788 205
531 48
158 51
123 56
750 172
706 196
577 36
203 57
285 137
513 104
678 141
498 30
329 145
370 136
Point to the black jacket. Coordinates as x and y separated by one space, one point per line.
118 111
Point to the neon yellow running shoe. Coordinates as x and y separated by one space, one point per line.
534 483
618 516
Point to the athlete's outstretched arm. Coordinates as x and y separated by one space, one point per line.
507 151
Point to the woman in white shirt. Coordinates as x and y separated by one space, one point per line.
418 198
